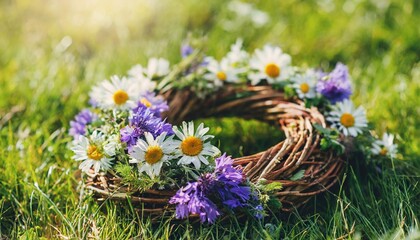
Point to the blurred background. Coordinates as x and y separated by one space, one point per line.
53 51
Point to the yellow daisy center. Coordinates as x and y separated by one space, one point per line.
120 97
192 146
221 76
383 151
94 153
347 120
304 87
146 102
272 70
153 154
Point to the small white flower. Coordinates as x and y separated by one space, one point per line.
136 75
193 147
386 146
221 72
305 84
248 11
157 67
271 64
347 119
94 152
259 18
136 71
119 93
152 153
237 56
240 8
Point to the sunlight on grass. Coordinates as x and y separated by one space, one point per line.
52 52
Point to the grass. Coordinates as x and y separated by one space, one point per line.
52 52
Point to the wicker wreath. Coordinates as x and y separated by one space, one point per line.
299 151
129 148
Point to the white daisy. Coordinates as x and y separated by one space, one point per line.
136 71
118 93
94 152
157 67
305 84
271 64
193 147
136 74
221 72
152 153
385 147
347 119
237 55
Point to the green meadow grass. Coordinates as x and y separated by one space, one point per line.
52 52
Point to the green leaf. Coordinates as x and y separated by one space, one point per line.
321 129
130 177
289 91
299 175
325 144
124 170
272 187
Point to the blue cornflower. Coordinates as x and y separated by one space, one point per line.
335 86
225 170
225 185
78 125
259 212
201 205
229 181
191 199
143 120
130 135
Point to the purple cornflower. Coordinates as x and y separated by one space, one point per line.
225 185
143 120
191 199
186 50
229 183
225 170
130 134
335 86
78 125
156 104
259 212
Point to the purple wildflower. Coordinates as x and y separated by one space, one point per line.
225 170
225 185
182 198
230 183
192 200
259 211
78 125
130 135
186 50
156 104
233 195
336 86
181 210
143 120
201 205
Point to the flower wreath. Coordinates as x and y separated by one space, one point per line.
127 146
